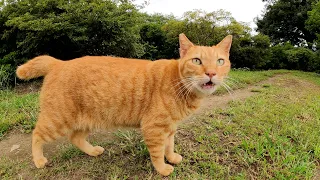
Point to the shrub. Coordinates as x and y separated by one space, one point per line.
302 59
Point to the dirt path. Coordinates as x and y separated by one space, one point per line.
17 146
221 101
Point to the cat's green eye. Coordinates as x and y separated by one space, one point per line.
220 62
196 61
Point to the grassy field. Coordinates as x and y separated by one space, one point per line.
270 135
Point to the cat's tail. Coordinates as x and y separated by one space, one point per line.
37 67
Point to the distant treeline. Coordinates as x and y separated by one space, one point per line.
289 33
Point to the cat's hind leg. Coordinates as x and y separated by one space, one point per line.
37 149
78 138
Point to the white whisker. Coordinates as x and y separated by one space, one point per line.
232 83
188 86
228 89
233 80
189 91
182 89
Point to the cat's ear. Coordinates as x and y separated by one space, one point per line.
185 45
225 44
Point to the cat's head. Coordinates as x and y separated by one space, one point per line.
203 68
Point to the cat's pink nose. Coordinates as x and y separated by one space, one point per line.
211 74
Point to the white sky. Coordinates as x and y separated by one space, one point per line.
241 10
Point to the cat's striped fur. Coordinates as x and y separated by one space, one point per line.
99 92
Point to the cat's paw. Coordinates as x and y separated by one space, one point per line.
175 158
96 151
166 170
40 162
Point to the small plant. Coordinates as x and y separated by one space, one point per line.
6 74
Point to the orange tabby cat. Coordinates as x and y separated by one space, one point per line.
95 92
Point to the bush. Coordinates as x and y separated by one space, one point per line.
279 57
298 58
302 59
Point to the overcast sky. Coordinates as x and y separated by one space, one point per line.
242 10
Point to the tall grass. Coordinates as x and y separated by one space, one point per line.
6 76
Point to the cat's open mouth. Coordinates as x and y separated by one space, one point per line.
208 85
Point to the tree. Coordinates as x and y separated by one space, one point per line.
208 28
251 51
153 36
153 39
284 21
203 28
313 21
69 29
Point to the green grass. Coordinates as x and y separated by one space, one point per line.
240 79
314 77
17 110
250 77
273 134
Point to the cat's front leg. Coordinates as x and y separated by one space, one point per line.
171 156
155 138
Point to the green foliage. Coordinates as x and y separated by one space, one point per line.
313 21
289 57
154 41
279 58
71 29
68 30
204 29
252 52
284 21
301 58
